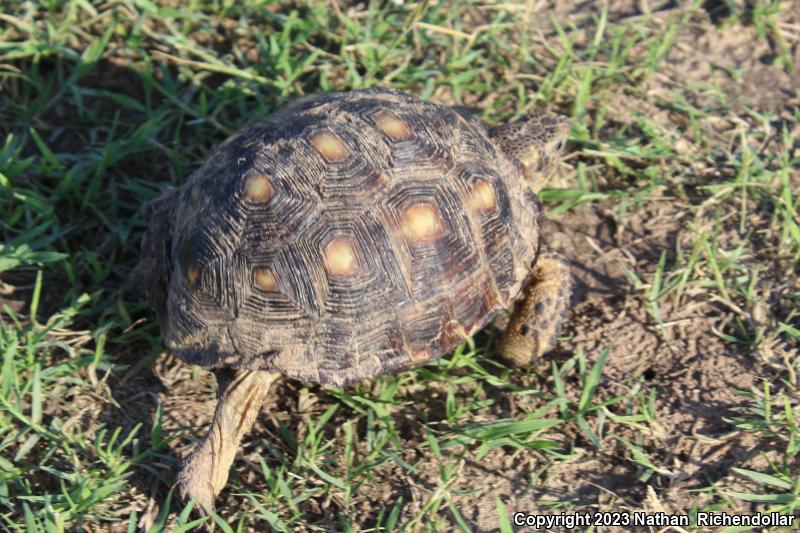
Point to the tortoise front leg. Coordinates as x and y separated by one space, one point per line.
539 311
205 470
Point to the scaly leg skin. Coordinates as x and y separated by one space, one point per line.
538 313
205 469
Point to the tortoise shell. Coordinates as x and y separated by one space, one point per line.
347 235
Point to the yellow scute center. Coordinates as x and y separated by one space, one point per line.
259 189
421 222
340 257
265 279
482 197
193 273
393 127
330 146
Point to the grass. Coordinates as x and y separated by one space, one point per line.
104 104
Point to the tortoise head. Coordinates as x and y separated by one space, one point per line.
537 141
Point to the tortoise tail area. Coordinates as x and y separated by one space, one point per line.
150 277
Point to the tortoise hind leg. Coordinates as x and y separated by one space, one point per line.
538 313
205 470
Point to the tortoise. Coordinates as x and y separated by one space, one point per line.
345 236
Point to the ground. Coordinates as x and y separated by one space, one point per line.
674 387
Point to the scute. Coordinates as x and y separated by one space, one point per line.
347 235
